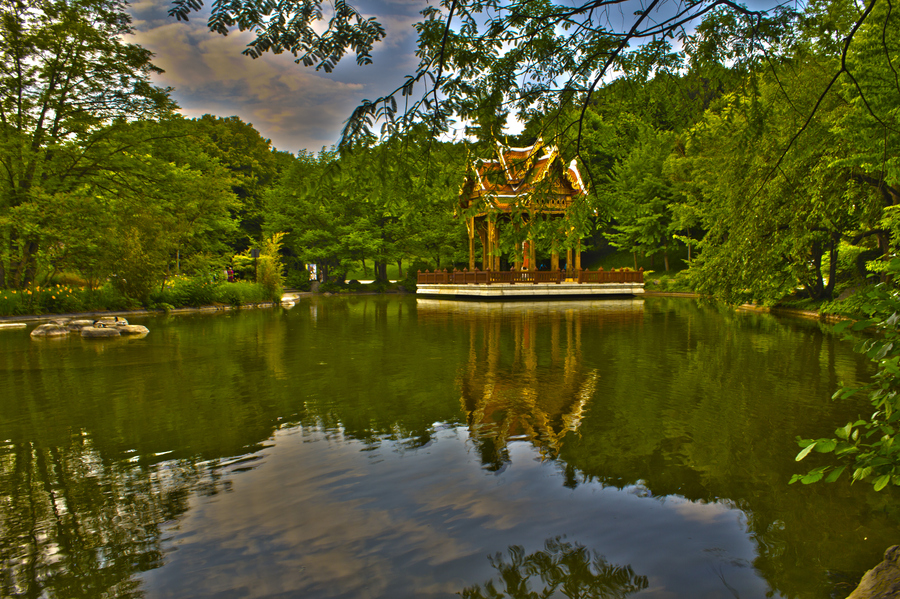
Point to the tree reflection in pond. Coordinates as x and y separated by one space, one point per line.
563 567
74 525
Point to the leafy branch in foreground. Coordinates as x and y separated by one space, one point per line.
870 447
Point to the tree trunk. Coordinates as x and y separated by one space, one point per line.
832 265
27 268
399 268
816 288
380 270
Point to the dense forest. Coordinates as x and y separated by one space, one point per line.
761 180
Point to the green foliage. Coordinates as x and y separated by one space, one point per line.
69 86
266 270
251 162
241 293
188 291
640 197
62 299
298 279
868 447
244 266
270 273
180 292
373 204
412 273
301 34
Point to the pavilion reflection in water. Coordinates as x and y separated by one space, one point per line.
526 377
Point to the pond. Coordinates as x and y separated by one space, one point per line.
387 446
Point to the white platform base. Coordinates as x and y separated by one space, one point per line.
529 290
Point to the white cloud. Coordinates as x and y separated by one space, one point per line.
295 106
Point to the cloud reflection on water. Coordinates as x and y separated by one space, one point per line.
322 519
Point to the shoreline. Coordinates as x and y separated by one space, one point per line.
289 298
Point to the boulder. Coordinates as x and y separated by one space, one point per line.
99 332
12 325
132 329
49 330
77 325
882 581
110 321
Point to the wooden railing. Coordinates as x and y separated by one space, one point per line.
511 277
611 276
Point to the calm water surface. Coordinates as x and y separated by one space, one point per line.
392 447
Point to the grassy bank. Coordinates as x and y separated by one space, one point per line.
179 292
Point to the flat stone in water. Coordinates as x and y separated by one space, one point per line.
132 329
49 330
111 321
77 325
99 332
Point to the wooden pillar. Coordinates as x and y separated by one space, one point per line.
517 265
554 257
488 262
495 247
532 254
569 262
578 256
470 225
482 235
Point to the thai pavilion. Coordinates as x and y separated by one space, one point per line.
516 186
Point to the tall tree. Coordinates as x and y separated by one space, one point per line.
65 76
639 196
250 158
147 214
383 203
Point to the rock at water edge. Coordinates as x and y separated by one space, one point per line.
99 332
882 581
77 325
111 321
49 330
132 329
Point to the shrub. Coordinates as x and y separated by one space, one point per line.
12 302
186 291
267 269
107 297
409 281
331 287
298 279
60 299
270 273
869 448
241 293
244 267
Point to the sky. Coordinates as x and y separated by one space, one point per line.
296 107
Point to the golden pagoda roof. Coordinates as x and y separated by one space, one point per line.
522 177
